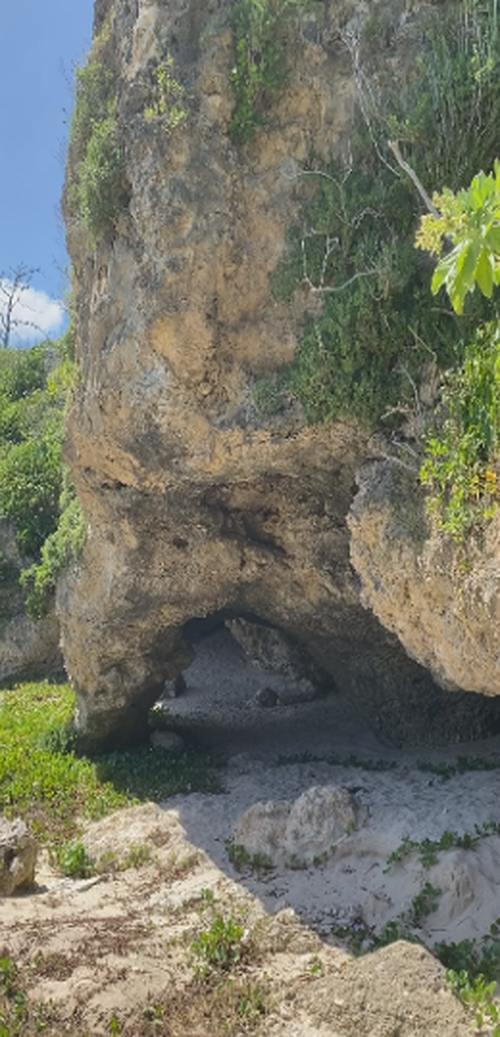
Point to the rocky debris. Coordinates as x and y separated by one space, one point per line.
301 831
173 688
18 853
169 741
267 698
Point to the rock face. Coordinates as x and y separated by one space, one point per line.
26 647
301 831
444 606
18 851
197 506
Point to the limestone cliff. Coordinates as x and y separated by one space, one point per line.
440 600
197 506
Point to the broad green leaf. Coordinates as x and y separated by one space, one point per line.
492 237
443 270
484 272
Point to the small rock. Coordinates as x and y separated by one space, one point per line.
267 698
173 688
169 741
18 851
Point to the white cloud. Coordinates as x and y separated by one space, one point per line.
34 316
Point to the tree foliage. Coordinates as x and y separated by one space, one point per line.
36 495
470 220
461 466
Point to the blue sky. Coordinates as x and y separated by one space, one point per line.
40 43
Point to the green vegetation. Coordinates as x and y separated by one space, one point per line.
428 849
31 429
462 449
63 545
54 790
245 861
167 97
445 771
96 191
260 28
362 356
478 995
470 220
36 496
220 947
73 860
362 940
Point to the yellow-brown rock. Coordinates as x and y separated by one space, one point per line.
197 506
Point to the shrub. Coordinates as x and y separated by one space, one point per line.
31 429
96 189
362 356
220 947
167 97
61 547
460 468
36 495
259 32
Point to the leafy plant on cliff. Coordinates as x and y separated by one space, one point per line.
96 188
461 465
460 470
167 97
259 32
362 353
60 548
470 220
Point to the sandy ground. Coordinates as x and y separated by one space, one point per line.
111 945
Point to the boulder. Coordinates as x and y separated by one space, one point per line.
307 828
262 828
18 852
318 819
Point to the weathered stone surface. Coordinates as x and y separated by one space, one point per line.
272 650
262 828
302 830
18 852
318 819
444 607
26 646
196 505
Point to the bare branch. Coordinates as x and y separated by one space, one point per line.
394 146
12 287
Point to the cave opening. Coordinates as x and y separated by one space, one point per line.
249 686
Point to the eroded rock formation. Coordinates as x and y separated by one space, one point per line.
443 603
27 647
196 506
